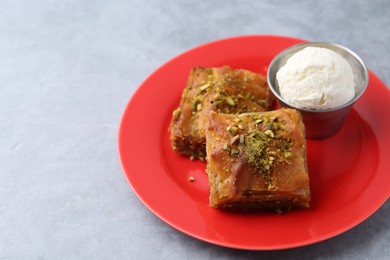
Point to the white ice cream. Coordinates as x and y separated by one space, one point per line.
316 78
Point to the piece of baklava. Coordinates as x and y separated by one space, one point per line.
222 90
257 161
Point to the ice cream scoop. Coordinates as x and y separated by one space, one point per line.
321 89
316 78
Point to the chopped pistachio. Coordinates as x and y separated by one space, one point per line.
269 133
204 86
242 140
272 118
253 133
232 129
230 101
225 146
217 103
234 152
176 113
287 155
195 105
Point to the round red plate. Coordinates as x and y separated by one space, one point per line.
348 172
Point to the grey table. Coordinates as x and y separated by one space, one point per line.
67 71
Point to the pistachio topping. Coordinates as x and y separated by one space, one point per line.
230 101
232 129
287 154
261 143
176 113
269 133
234 152
225 146
242 139
204 86
272 118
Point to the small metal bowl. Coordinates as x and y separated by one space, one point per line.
321 124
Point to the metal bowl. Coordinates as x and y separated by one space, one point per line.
321 123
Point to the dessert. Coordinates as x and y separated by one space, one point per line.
257 161
223 90
316 78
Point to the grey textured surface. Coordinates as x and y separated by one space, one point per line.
68 69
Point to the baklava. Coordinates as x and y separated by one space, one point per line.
257 161
223 90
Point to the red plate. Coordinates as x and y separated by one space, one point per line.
348 172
